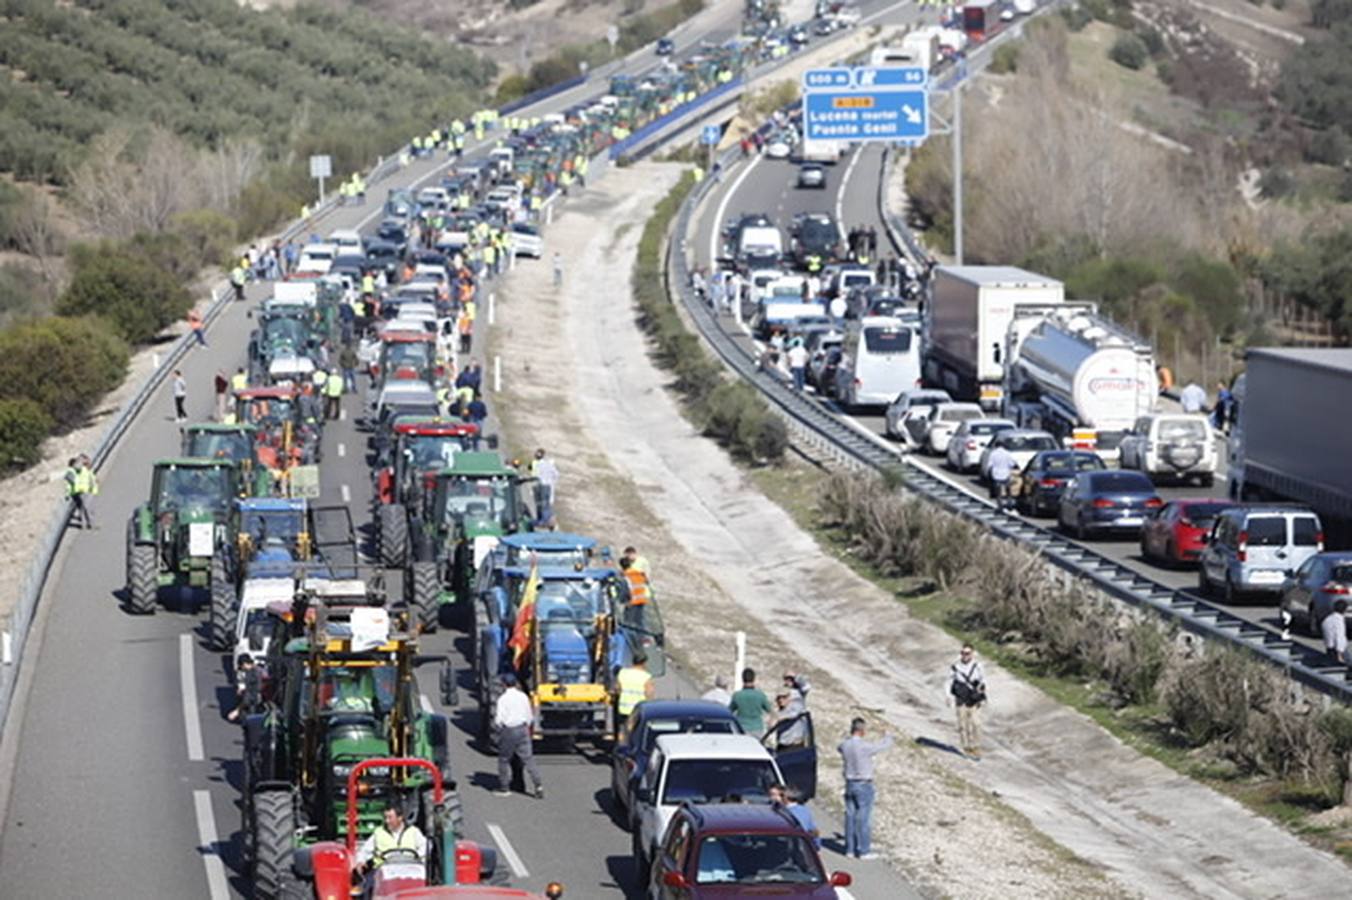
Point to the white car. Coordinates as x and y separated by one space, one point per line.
526 241
1022 443
347 240
701 768
971 438
779 146
1171 447
811 175
917 403
944 419
315 259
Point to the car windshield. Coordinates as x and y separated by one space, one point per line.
717 780
814 233
567 602
886 306
1121 483
1202 514
1182 430
285 333
1068 462
655 728
183 487
268 411
758 859
1266 531
233 445
279 524
478 499
1029 442
407 354
431 451
887 340
988 428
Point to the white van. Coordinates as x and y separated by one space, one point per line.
761 240
880 359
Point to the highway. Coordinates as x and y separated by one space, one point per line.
763 185
124 779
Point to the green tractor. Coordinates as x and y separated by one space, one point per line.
178 536
477 500
342 693
238 443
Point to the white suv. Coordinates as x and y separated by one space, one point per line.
1171 446
700 768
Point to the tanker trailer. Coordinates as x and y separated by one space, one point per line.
1079 376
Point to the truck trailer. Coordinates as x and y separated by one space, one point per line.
966 323
1077 375
1289 441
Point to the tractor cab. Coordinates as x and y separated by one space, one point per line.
237 443
476 496
282 332
550 549
407 355
273 535
421 446
287 425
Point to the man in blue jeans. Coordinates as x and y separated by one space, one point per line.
858 754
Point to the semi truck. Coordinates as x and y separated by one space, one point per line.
966 323
1288 441
1077 375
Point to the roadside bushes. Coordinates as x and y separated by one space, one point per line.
23 426
732 413
126 286
1218 700
62 365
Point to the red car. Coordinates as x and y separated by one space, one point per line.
739 850
1174 534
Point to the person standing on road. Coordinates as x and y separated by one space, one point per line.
635 685
967 690
632 559
198 327
333 396
248 688
240 380
789 708
798 364
348 361
558 270
222 386
513 716
1192 398
1000 467
180 397
238 276
857 754
750 705
81 484
1334 629
719 693
547 481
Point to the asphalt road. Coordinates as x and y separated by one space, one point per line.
851 195
149 806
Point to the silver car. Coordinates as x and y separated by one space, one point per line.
811 175
971 438
944 419
917 403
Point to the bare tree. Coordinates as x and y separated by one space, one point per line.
37 233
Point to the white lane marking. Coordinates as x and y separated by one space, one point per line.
844 186
723 208
342 449
192 722
342 414
425 704
206 834
508 851
842 894
347 494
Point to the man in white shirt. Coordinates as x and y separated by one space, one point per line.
513 717
798 364
1192 398
1000 469
719 692
1334 629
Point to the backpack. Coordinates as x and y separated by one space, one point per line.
964 691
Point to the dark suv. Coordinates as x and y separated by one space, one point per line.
739 849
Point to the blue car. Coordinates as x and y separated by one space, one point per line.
647 722
1111 500
665 46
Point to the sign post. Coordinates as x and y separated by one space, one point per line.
321 167
709 137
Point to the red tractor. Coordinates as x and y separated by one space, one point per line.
408 460
331 866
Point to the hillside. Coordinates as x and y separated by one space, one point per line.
211 70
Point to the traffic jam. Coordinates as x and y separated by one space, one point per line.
329 617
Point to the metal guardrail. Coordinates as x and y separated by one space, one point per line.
542 94
1305 665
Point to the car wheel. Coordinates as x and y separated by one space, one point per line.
1203 583
1080 532
642 869
1232 596
1145 549
1311 628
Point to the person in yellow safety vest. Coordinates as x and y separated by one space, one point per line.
490 257
463 199
635 685
393 836
417 145
358 309
333 396
632 561
318 378
535 202
699 174
368 284
240 380
81 484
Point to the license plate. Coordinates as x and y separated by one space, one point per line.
1266 576
200 541
1129 520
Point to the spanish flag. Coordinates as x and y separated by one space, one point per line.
525 617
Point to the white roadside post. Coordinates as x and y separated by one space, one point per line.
741 658
497 374
492 307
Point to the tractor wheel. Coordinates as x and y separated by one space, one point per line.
142 580
221 624
425 591
455 809
274 838
393 536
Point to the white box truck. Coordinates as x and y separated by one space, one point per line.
966 320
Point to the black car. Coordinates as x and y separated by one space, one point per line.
815 234
649 720
665 46
1041 482
1107 501
385 256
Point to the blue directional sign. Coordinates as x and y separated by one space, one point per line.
868 103
710 135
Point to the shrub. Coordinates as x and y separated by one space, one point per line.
1129 51
208 237
1153 40
1006 59
23 427
62 364
125 285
